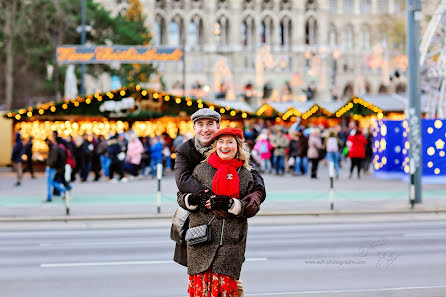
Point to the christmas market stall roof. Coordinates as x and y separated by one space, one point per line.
131 103
304 109
234 104
382 103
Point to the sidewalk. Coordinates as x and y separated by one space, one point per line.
286 195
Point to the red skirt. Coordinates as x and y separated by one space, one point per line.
208 284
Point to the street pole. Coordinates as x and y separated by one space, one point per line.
184 65
83 39
414 110
331 173
159 176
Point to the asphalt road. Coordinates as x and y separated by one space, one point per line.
336 259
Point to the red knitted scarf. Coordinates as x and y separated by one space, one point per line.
226 180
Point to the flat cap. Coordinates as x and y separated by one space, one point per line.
205 113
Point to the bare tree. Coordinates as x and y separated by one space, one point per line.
10 10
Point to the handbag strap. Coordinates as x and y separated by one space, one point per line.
211 220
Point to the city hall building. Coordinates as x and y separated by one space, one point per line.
279 50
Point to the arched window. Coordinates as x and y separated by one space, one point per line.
311 31
285 32
244 33
266 30
365 37
222 30
158 30
175 26
248 32
333 37
192 35
348 38
366 6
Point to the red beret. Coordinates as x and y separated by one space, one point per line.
229 131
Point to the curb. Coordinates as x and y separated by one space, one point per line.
168 216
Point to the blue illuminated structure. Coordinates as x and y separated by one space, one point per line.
391 150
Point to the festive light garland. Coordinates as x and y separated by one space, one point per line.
357 100
43 109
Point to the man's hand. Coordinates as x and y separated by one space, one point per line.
200 198
254 200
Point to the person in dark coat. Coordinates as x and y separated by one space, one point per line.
54 164
114 150
219 261
29 157
301 153
86 151
16 158
191 153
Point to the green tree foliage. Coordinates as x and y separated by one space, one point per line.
42 25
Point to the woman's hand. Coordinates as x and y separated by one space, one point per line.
219 202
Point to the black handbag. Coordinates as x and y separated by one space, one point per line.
199 234
180 224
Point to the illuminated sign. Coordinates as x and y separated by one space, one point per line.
73 54
117 106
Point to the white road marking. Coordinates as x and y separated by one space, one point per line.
101 243
81 264
345 291
434 235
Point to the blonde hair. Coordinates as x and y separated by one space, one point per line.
242 151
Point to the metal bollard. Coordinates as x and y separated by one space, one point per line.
159 175
331 173
67 202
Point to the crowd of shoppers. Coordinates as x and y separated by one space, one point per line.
299 150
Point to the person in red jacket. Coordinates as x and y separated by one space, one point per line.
356 151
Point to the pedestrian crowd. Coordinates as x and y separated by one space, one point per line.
120 157
299 150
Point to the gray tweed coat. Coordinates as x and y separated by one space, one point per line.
225 254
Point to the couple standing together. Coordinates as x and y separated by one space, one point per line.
215 180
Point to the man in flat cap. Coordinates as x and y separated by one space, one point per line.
190 154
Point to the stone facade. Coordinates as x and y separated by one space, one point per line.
308 40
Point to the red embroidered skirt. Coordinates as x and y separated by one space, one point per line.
208 284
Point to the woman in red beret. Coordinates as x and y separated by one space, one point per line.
214 267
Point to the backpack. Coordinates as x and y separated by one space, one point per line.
69 158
